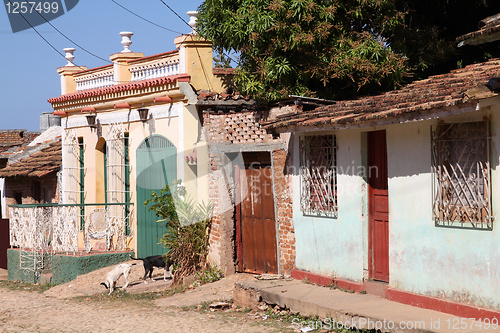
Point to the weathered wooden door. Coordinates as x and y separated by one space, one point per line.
378 202
156 167
255 223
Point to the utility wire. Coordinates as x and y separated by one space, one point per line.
84 49
173 11
46 41
159 26
72 41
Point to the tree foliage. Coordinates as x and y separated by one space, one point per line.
339 48
306 47
428 35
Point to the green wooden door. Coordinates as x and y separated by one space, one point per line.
156 167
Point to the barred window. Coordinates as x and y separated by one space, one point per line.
73 172
461 170
318 177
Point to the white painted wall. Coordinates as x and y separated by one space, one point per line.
333 246
462 265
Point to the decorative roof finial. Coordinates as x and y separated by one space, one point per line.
126 41
69 56
193 17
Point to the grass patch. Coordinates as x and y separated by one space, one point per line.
124 296
22 286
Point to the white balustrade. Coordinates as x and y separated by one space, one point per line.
95 81
152 71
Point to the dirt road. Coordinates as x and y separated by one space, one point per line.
57 311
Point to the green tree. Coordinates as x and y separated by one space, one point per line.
430 29
306 47
339 49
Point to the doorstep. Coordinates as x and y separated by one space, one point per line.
355 310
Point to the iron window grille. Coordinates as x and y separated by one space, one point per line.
318 177
461 175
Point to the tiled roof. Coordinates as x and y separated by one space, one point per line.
422 99
217 102
10 139
489 31
119 88
214 96
223 71
46 160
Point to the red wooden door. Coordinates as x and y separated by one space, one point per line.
378 202
255 224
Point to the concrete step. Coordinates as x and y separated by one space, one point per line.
351 310
376 288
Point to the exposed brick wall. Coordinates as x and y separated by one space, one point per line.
48 190
213 196
243 128
10 138
286 230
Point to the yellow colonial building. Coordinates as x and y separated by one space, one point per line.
131 128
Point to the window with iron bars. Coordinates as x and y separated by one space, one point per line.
318 177
461 175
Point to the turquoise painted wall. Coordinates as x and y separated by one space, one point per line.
333 246
462 265
64 267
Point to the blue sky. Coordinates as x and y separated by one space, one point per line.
28 65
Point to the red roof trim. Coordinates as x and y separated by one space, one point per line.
186 78
88 109
92 69
153 56
59 113
165 99
122 106
121 87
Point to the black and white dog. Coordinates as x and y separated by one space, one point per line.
155 261
114 275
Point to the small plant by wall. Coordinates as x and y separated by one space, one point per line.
187 228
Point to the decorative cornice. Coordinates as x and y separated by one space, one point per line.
139 85
125 116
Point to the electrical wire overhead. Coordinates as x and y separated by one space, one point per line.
159 26
46 41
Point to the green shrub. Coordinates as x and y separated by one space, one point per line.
209 274
187 228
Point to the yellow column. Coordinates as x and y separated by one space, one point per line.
120 61
197 61
68 84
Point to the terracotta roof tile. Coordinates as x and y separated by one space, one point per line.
223 71
204 95
118 88
12 140
40 163
423 97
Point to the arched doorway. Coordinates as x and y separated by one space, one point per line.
156 167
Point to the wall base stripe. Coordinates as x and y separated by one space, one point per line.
404 297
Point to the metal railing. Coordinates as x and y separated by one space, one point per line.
56 227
